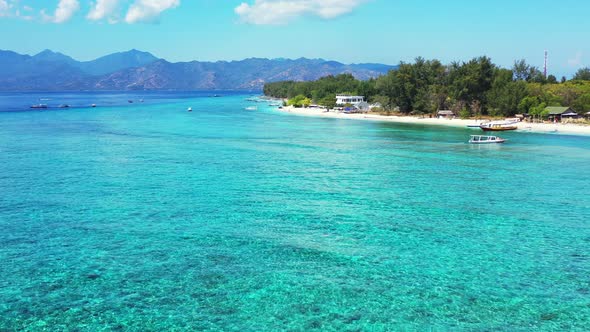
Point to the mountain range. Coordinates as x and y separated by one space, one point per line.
137 70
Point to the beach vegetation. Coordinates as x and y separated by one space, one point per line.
582 74
299 101
474 88
582 103
329 101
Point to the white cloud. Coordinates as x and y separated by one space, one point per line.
5 7
64 11
112 11
576 61
11 8
103 9
148 10
283 11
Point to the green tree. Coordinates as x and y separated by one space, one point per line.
539 77
582 103
539 110
525 72
582 74
471 80
527 103
387 87
410 86
299 101
383 100
329 101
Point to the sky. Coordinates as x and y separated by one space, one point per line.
350 31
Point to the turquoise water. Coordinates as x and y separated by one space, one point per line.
151 218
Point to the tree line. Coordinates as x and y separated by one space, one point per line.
472 88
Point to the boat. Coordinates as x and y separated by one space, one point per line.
190 109
251 108
93 105
64 106
39 106
130 101
481 139
477 125
498 126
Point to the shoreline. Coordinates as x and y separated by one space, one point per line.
545 128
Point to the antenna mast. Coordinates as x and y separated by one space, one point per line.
545 67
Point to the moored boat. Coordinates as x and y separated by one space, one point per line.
481 139
498 126
477 125
39 106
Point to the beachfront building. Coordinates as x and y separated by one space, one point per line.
342 100
376 105
363 106
557 113
445 114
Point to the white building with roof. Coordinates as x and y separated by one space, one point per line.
342 100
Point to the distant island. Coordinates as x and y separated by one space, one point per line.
137 70
471 89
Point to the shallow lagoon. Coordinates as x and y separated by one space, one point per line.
148 217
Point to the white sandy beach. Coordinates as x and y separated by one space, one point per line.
559 128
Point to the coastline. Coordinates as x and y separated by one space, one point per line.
545 128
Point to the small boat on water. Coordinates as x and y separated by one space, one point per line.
190 109
130 101
93 105
476 125
251 108
481 139
64 106
39 106
498 126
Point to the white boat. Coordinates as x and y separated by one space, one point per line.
481 139
251 108
477 125
498 126
190 109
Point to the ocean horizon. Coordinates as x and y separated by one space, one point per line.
143 216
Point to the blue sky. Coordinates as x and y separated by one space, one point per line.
385 31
